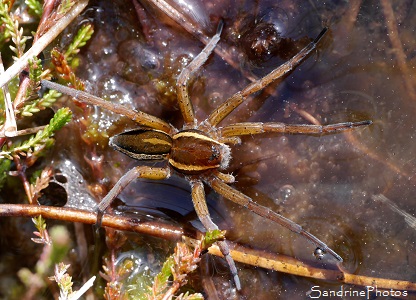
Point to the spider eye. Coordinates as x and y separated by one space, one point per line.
215 153
143 144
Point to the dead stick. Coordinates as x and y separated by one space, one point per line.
393 35
280 263
289 265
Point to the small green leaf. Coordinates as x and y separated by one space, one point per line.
211 237
162 279
42 137
5 165
196 296
61 117
166 271
35 69
39 223
65 6
35 6
81 38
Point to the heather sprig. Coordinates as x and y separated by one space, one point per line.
64 281
42 233
65 6
175 270
37 105
35 6
41 139
12 30
81 38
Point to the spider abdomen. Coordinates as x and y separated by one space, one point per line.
143 144
193 152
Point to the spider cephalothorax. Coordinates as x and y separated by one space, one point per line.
194 152
199 152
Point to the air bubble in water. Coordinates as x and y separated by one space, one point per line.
285 193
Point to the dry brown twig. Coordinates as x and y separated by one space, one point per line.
9 128
293 266
280 263
393 34
186 23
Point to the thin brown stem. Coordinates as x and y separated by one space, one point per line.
183 21
239 253
289 265
393 34
21 173
165 231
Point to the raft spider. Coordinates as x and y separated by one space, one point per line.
199 151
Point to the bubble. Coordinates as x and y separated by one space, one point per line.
285 193
319 253
278 17
263 37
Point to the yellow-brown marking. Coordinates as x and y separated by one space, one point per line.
156 141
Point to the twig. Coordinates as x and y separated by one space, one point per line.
348 21
86 286
408 218
393 34
285 264
21 173
10 127
188 25
155 229
26 131
42 42
280 263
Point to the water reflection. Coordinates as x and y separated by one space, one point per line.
168 200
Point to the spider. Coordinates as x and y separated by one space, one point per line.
200 151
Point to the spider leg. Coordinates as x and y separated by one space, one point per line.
136 172
200 205
249 128
184 102
243 200
137 116
235 100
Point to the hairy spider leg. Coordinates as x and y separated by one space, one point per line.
241 199
185 105
251 128
184 102
201 208
137 116
235 100
154 173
